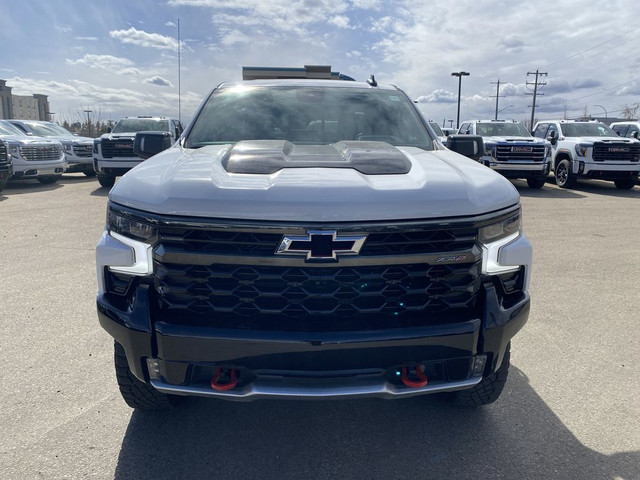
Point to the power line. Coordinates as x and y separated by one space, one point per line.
562 60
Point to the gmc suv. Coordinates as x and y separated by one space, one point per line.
511 150
590 149
77 150
113 152
311 239
36 158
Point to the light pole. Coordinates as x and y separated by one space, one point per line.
88 120
459 75
605 110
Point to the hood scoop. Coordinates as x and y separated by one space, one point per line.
269 156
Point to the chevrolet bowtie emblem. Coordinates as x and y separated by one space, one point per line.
321 245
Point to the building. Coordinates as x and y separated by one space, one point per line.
309 71
25 107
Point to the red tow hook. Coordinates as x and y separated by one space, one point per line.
413 383
233 381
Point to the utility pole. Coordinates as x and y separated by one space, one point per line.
535 84
88 120
497 96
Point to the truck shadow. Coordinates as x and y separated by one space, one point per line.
597 187
421 437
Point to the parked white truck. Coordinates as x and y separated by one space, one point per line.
511 150
590 149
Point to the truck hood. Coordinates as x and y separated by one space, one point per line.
527 140
115 136
26 141
195 183
599 139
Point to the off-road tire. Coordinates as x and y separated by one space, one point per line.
564 176
138 394
48 180
536 182
625 183
489 389
107 181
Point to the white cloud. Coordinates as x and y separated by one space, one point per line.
144 39
107 62
340 21
87 39
158 81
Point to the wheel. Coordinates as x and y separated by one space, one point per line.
625 183
564 176
536 182
489 389
48 180
106 181
90 173
138 394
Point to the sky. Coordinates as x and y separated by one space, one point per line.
120 58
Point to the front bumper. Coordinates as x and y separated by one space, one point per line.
605 171
520 170
273 364
114 166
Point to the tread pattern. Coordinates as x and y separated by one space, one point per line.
138 394
489 389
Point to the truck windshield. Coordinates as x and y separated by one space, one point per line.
501 130
7 129
141 125
587 130
308 115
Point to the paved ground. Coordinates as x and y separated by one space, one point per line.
571 408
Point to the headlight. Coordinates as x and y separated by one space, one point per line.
95 146
67 147
126 246
581 149
489 150
130 228
495 236
14 150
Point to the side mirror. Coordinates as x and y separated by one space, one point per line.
636 135
147 144
552 138
470 146
108 129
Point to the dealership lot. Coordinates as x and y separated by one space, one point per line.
570 409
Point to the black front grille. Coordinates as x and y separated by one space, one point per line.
122 147
520 152
4 156
320 297
83 151
220 242
616 152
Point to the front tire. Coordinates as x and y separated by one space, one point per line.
489 389
625 183
564 176
536 182
138 394
90 173
106 181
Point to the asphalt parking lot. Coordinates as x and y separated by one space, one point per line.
570 410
